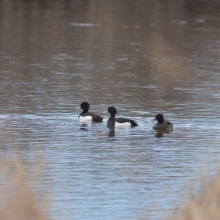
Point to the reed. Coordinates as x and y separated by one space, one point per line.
18 200
202 204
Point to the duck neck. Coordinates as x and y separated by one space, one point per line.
85 110
112 117
111 121
161 121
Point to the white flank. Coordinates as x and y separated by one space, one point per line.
85 118
123 125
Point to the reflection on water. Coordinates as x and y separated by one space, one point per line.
85 125
111 132
144 58
161 132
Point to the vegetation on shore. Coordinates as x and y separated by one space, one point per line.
18 200
204 204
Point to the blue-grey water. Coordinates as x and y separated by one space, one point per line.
144 58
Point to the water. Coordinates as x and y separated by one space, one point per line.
144 58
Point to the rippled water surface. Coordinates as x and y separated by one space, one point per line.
144 58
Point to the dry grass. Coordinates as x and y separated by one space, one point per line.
18 200
203 205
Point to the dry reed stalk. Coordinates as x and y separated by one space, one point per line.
204 205
18 200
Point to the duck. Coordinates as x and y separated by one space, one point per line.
87 116
162 124
119 122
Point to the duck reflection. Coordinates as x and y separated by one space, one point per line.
85 125
111 131
160 132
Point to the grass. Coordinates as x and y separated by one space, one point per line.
204 204
18 200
